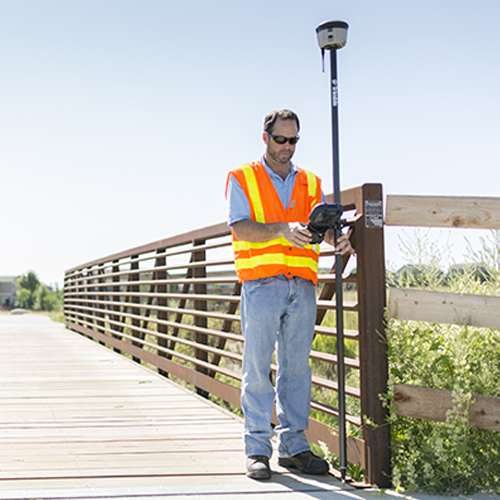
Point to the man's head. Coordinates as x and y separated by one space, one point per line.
282 114
281 129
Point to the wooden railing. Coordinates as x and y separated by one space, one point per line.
173 305
444 307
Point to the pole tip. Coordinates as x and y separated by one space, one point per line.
332 34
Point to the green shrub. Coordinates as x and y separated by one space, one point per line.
446 457
34 295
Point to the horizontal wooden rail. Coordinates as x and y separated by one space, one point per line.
80 300
332 332
139 343
435 404
167 295
444 307
191 312
180 281
101 268
226 391
331 304
334 411
443 211
332 358
209 232
148 271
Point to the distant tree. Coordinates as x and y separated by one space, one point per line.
419 276
32 294
46 300
476 271
28 285
24 298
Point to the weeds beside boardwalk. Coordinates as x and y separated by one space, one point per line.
451 456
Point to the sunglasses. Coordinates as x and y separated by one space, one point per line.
281 139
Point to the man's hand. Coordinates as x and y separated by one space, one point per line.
344 243
297 234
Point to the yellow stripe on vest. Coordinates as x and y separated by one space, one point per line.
311 187
277 259
254 192
247 245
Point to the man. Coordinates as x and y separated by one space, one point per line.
269 203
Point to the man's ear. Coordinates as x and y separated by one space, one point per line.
265 137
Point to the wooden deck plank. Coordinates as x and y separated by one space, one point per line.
74 414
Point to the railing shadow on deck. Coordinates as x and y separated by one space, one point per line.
173 305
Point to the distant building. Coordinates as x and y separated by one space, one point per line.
7 292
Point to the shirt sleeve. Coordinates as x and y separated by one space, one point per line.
238 207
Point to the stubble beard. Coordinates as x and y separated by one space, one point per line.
282 158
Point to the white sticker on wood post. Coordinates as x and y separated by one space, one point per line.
373 213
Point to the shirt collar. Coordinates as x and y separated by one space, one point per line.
270 171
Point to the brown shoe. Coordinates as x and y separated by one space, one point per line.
258 467
306 462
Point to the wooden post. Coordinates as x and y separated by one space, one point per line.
161 301
134 276
102 299
81 288
116 308
372 342
92 307
200 305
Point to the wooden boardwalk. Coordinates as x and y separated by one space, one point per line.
80 421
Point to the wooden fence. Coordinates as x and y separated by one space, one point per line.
173 305
444 307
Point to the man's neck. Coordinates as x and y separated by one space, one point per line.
279 169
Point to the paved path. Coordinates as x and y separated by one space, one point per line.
82 422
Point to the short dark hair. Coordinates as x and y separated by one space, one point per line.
282 114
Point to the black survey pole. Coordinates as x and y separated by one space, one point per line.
332 35
339 312
335 125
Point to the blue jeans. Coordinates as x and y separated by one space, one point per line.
281 312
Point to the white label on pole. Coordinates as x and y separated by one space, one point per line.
335 93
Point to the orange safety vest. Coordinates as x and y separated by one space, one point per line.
270 258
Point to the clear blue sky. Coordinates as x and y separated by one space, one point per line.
120 119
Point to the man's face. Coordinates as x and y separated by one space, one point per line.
281 153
